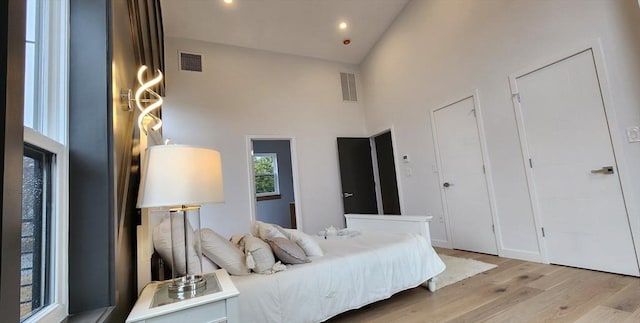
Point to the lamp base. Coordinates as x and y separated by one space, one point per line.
186 286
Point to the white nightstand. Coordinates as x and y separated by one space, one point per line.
216 304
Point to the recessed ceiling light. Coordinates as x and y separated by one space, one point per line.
343 25
228 1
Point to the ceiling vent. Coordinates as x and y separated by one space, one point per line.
190 62
348 81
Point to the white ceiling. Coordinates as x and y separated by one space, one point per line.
298 27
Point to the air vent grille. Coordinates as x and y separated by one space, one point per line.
190 62
348 81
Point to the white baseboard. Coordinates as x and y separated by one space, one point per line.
521 255
441 243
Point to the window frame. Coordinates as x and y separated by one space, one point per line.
51 108
58 218
276 179
52 77
41 231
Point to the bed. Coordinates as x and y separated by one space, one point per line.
391 254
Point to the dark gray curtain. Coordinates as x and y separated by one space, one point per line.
148 36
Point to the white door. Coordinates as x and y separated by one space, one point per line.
464 185
576 187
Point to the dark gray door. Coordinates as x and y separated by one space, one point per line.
387 174
356 174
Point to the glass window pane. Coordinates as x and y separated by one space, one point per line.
263 165
34 257
29 85
31 20
265 184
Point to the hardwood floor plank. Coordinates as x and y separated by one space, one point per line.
634 318
628 299
550 281
567 301
515 291
466 296
534 306
589 296
604 314
499 305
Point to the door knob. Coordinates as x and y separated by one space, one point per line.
446 184
604 170
347 194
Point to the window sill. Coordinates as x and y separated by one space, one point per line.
51 313
268 197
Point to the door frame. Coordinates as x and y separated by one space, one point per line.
374 160
294 172
617 140
488 175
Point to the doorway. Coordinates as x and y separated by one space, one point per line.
356 176
368 174
386 166
571 166
273 181
462 169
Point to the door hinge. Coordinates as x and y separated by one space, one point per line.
484 170
543 234
516 96
493 228
530 163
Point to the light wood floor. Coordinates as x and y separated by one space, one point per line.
515 291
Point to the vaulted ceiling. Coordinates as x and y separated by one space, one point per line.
299 27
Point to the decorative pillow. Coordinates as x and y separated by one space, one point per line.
222 252
288 251
162 243
266 231
261 255
306 242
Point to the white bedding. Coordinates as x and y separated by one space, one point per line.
352 273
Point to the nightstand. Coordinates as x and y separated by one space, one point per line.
216 303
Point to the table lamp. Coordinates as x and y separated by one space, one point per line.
182 178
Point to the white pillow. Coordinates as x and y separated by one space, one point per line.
266 231
306 242
162 244
224 253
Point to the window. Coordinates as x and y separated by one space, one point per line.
43 263
265 167
35 262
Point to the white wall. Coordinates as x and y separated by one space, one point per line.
439 51
248 92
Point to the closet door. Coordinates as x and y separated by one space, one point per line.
464 185
572 167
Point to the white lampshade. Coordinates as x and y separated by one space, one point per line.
175 175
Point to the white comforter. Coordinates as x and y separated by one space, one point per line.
352 273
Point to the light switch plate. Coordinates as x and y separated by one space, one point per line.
633 134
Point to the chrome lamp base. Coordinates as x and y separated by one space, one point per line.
186 286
